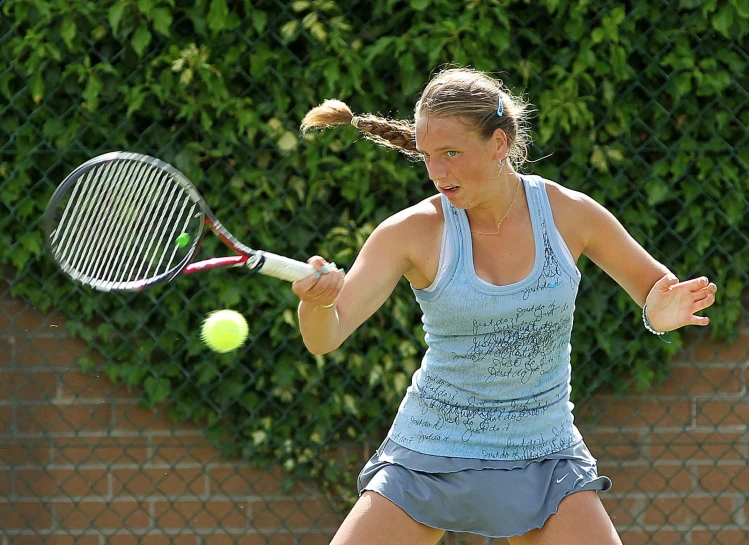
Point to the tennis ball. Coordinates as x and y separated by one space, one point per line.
224 330
182 240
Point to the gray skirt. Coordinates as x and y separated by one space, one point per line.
492 498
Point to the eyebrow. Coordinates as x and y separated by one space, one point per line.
443 148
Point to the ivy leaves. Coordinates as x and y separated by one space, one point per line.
648 118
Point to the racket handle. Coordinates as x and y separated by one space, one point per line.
284 268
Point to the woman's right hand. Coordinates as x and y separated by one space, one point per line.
323 287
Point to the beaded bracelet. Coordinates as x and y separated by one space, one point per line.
650 328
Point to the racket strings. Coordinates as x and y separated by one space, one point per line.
125 256
120 225
95 251
110 242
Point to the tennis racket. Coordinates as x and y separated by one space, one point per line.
125 221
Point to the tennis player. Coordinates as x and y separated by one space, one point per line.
484 440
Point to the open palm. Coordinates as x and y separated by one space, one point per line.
673 304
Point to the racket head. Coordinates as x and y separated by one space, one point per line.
123 221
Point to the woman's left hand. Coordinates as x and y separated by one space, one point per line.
673 304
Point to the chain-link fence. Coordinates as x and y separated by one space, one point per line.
116 425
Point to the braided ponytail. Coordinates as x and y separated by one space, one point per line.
390 133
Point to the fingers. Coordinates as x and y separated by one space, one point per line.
704 297
699 320
666 281
697 284
321 288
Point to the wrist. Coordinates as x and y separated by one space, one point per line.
648 325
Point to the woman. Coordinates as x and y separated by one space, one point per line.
484 440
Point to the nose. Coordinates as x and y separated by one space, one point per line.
435 169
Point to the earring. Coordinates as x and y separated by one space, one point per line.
501 165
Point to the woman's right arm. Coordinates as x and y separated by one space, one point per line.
382 261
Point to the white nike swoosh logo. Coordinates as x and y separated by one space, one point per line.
563 478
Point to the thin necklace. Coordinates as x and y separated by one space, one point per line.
517 189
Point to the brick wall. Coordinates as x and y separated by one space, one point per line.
678 453
81 463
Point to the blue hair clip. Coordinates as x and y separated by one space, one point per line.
500 107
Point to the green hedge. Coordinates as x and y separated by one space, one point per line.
641 105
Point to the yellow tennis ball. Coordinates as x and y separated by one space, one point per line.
224 330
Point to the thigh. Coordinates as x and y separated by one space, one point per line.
375 520
580 520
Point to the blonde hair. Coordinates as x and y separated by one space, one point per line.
464 93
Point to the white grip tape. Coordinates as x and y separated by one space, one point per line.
284 268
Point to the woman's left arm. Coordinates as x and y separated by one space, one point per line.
671 304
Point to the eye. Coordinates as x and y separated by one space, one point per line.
452 153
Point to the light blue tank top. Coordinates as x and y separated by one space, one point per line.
494 383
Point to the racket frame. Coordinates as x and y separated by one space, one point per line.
253 260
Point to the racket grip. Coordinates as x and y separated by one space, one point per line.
284 268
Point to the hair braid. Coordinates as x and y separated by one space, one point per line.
390 133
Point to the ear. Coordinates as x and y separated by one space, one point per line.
498 143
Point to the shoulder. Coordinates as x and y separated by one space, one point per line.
574 205
564 198
420 218
412 237
575 214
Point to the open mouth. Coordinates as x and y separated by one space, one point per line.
449 190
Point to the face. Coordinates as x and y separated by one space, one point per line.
460 162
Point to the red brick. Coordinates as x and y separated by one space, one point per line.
6 419
722 413
25 451
293 514
713 351
691 510
196 514
724 478
323 538
6 482
20 385
635 412
49 352
131 417
162 482
63 418
656 537
720 537
693 380
622 511
102 516
4 320
152 539
54 539
243 481
693 446
22 317
647 478
7 348
76 385
280 538
185 449
100 450
61 482
614 446
24 515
